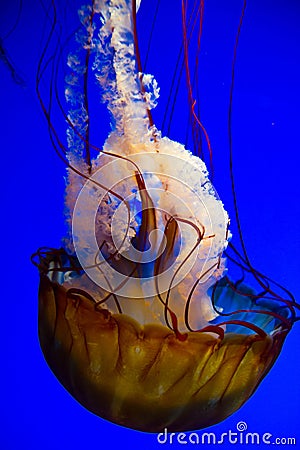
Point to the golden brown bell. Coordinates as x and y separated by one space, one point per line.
144 377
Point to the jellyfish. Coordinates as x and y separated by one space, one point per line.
139 318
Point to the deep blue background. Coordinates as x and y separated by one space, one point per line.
36 412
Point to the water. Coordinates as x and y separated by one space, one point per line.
36 411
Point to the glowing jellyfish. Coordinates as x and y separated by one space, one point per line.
137 316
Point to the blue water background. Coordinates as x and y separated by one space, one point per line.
36 412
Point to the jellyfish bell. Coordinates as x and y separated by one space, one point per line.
138 318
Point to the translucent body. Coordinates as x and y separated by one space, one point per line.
137 318
144 377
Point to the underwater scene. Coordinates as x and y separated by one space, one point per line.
150 223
